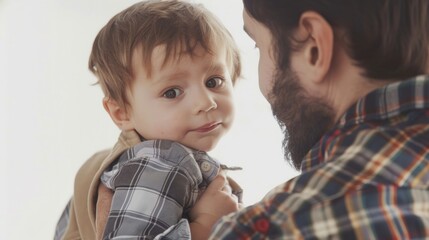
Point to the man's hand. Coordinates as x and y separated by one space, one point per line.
215 202
104 201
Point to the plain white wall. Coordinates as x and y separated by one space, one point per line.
52 119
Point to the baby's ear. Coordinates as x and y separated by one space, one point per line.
118 114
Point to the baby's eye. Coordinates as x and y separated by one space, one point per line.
172 93
214 82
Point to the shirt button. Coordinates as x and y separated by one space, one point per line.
262 225
205 166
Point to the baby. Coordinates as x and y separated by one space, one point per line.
167 70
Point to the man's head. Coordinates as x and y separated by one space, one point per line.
167 69
317 57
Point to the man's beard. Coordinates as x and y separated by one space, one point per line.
302 118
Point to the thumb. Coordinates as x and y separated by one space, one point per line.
217 184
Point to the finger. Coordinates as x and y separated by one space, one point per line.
240 206
217 184
227 188
222 173
235 198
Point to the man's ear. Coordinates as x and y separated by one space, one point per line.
118 114
319 45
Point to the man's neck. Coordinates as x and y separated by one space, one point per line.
348 84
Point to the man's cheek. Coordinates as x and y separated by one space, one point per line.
265 84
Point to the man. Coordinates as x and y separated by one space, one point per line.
346 81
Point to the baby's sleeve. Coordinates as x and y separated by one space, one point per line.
151 192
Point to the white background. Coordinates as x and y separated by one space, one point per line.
52 119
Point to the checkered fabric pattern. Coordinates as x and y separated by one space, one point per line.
155 183
368 178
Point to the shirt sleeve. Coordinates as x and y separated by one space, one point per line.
152 193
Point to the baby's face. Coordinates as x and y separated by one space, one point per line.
187 100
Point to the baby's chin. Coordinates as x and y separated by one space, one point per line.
207 149
204 148
203 145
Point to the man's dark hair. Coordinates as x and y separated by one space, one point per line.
388 39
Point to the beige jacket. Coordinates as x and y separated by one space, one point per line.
82 223
83 205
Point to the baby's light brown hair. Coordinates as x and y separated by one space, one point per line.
180 26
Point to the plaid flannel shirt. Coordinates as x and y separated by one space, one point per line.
368 178
155 184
